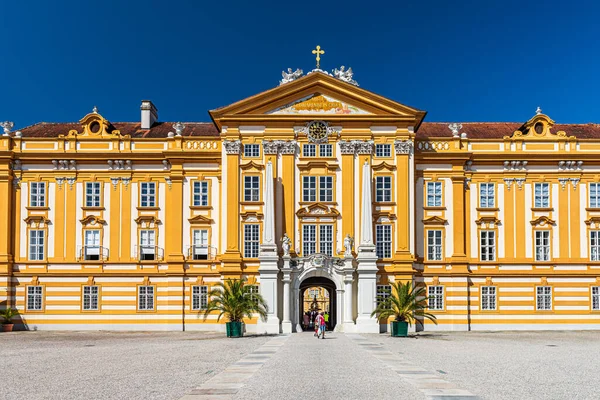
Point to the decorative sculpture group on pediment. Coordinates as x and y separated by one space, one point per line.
290 76
345 75
356 146
279 146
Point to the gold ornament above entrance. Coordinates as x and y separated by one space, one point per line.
318 104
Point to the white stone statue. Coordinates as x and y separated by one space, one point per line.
286 243
290 76
348 243
344 75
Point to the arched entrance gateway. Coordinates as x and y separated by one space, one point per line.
318 294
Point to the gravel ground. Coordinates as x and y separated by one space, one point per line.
334 368
110 365
508 365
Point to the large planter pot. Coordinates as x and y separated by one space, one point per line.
399 328
234 329
7 327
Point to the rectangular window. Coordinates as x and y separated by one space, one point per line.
325 150
252 150
35 298
309 150
92 194
147 245
488 298
434 245
542 245
326 188
145 298
309 240
383 188
436 297
309 188
36 245
200 244
251 188
595 245
200 193
90 298
487 245
326 239
383 292
434 194
37 197
487 195
251 240
594 195
596 298
148 194
544 298
383 241
92 245
199 297
383 150
542 195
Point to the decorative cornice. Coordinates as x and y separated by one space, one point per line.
487 220
232 146
92 220
250 165
593 221
38 219
543 221
403 146
147 218
317 210
384 165
317 164
435 220
200 219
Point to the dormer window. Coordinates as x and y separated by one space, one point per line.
538 128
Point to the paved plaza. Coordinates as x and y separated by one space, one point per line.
200 366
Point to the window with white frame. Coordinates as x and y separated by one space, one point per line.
37 196
487 195
488 298
596 298
253 290
309 239
487 247
383 293
313 293
383 188
148 194
383 241
594 245
200 244
92 194
434 245
199 297
436 297
542 195
251 240
36 244
326 188
252 150
542 245
251 188
35 297
325 150
309 188
145 298
383 150
147 245
594 195
200 193
91 248
90 298
309 150
326 239
434 194
544 298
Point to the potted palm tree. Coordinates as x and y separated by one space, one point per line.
234 300
405 303
7 315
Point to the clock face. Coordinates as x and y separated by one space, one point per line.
317 131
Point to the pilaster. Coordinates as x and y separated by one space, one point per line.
458 198
348 177
231 257
404 258
174 218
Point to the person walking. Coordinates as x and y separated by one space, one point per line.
306 320
320 320
326 320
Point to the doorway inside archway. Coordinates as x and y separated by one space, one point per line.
318 294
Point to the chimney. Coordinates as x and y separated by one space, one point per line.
149 114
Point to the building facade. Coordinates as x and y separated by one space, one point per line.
317 182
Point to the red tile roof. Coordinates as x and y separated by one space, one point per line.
158 130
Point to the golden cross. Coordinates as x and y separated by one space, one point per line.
318 52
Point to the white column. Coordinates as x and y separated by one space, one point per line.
286 324
348 300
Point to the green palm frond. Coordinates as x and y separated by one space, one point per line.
8 314
234 300
404 302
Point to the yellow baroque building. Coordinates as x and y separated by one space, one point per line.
314 183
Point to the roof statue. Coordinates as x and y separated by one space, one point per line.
290 76
345 75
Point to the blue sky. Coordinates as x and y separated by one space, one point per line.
460 61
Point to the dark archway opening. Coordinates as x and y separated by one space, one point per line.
330 303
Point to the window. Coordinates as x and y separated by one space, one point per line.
594 195
251 240
147 245
199 297
90 298
596 298
92 194
148 194
253 290
542 195
92 245
200 244
252 150
595 245
488 298
309 239
487 198
36 245
37 197
145 298
34 298
487 245
326 239
326 188
383 188
434 194
309 188
313 293
383 150
309 150
325 150
544 298
383 292
436 297
200 193
542 245
434 245
383 241
251 188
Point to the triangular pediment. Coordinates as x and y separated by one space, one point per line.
318 104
